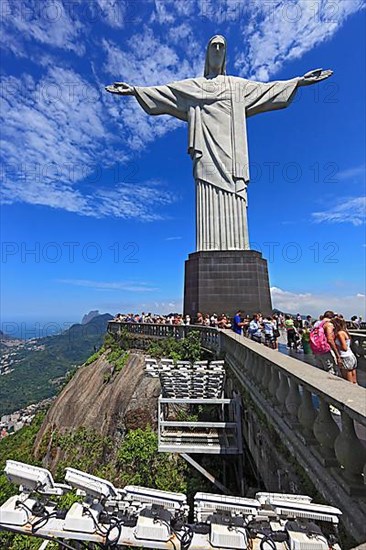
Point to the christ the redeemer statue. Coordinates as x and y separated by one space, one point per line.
216 107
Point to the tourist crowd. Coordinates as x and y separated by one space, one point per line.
327 338
218 321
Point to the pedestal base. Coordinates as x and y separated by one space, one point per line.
221 281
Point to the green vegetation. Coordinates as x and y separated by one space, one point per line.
139 463
187 349
18 447
95 356
39 374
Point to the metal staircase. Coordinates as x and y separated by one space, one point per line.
185 387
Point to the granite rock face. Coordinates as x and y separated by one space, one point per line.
127 401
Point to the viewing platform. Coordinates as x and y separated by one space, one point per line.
302 426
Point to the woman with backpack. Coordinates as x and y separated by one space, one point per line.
343 343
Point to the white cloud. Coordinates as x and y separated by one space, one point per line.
44 22
173 238
153 64
167 12
55 134
281 31
130 286
354 173
133 201
348 211
316 304
113 11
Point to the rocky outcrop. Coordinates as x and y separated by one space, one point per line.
89 316
127 401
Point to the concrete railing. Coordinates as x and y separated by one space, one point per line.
358 341
296 399
210 337
298 402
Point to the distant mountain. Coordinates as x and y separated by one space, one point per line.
89 316
38 373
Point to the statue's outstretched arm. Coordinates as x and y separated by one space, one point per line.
120 88
313 77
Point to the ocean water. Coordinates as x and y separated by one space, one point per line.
34 328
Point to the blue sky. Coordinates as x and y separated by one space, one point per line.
98 197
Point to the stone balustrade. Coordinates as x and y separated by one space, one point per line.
210 337
319 419
358 342
299 402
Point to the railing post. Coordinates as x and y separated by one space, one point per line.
326 432
307 415
349 451
260 371
282 391
293 400
267 374
274 382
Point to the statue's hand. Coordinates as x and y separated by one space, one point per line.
120 88
315 76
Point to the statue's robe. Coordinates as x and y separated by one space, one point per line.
216 111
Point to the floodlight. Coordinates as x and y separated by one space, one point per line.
33 478
165 361
305 535
265 498
228 532
81 518
153 525
206 504
173 502
16 511
93 486
304 510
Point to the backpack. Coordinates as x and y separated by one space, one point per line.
318 340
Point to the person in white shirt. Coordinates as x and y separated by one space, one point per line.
348 364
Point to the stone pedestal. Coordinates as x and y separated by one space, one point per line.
224 281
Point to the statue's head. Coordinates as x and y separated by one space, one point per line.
215 62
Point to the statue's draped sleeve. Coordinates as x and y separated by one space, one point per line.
163 100
260 97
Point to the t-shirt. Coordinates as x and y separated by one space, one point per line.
268 327
289 324
254 327
236 328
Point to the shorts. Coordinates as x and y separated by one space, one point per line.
349 362
325 361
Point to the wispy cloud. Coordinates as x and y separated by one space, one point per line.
316 304
131 286
355 173
173 238
56 134
113 11
44 23
348 211
156 63
278 32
